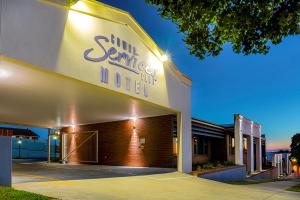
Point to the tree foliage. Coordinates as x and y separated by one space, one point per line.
295 148
251 26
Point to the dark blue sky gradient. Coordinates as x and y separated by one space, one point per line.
265 88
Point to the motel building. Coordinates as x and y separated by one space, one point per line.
241 143
90 72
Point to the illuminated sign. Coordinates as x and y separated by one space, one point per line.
123 55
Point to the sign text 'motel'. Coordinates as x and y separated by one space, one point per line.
127 58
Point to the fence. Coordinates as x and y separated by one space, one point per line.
33 149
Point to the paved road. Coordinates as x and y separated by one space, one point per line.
164 186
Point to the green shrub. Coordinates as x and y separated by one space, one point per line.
199 167
208 166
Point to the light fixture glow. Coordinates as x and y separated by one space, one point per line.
133 118
76 18
4 73
57 131
73 128
79 5
164 58
54 137
19 141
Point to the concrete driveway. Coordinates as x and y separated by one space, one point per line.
33 171
278 186
168 185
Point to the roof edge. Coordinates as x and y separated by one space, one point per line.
207 123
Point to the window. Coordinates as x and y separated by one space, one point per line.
231 145
175 146
205 146
245 143
200 146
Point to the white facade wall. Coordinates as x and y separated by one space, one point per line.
50 37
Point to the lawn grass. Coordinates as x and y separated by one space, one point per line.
250 182
9 193
295 188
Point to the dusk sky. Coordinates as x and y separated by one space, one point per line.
264 88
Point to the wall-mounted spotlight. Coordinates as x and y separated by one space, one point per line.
133 120
164 58
4 73
73 128
57 131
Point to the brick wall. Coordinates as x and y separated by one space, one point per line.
119 142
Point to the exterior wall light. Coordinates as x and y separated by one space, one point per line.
73 128
134 121
4 73
133 118
57 131
164 58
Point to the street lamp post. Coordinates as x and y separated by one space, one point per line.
19 143
55 138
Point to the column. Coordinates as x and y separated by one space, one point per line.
238 140
63 148
258 155
5 160
250 154
184 135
